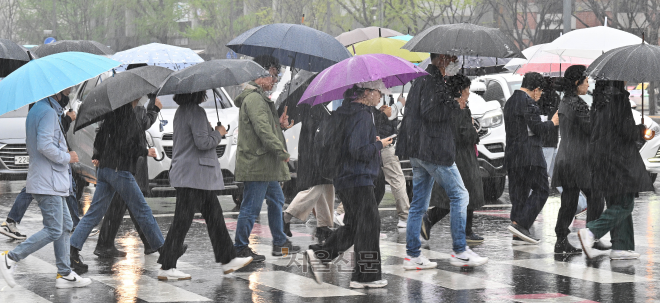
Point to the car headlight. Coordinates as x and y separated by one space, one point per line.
150 140
234 139
492 118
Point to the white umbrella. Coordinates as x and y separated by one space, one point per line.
548 63
591 42
515 63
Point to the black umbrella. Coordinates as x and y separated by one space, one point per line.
476 66
292 93
12 56
119 90
293 45
464 39
83 46
212 74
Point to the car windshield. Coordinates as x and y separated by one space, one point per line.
221 99
514 85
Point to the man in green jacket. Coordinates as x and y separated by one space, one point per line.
261 162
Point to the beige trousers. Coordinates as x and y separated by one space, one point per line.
397 181
319 197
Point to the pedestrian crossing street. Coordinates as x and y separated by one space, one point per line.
276 276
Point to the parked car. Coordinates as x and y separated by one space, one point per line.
14 159
160 137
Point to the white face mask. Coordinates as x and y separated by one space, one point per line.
452 69
143 101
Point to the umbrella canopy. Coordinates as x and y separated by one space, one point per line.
404 37
212 74
293 91
364 34
293 45
12 56
119 90
83 46
635 63
591 42
515 63
331 83
386 46
172 57
464 39
47 76
549 63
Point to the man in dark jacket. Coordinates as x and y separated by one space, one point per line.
427 138
523 157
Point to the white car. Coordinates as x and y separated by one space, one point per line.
499 87
160 137
14 159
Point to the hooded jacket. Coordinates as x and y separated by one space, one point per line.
360 153
261 144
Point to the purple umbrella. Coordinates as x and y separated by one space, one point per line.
331 83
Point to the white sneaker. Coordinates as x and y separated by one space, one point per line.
339 219
623 255
172 274
419 263
73 280
468 258
235 264
10 230
374 284
587 240
402 224
7 268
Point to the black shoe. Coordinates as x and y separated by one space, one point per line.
474 239
564 247
522 233
599 245
248 252
284 250
77 264
287 227
111 252
322 233
426 227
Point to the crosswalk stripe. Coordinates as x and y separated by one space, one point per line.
34 265
148 289
575 270
18 294
446 279
296 284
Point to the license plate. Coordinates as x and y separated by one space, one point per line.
21 160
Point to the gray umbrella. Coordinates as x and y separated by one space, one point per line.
464 39
119 90
83 46
12 56
292 92
364 34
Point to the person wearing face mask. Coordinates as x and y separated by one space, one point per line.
426 137
9 227
261 162
360 162
523 156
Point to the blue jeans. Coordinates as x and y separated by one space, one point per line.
57 228
550 153
424 174
254 194
24 199
110 181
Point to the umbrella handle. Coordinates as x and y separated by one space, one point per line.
162 156
228 126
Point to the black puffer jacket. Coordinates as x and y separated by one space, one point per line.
308 170
120 141
572 163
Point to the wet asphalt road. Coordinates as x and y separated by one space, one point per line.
526 273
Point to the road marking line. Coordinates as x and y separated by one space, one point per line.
443 278
18 294
574 270
148 289
296 284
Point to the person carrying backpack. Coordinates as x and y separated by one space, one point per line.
359 164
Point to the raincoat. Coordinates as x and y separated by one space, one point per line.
572 162
261 144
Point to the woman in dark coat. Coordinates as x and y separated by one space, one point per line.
617 169
571 170
466 137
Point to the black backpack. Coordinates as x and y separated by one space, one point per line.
328 143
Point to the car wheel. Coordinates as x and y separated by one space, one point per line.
493 187
80 185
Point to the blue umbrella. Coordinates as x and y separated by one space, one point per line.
404 37
172 57
47 76
294 45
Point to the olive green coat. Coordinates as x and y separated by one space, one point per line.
261 144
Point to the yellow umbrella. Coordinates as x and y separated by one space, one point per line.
386 46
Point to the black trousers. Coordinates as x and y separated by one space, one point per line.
525 207
362 229
436 214
569 203
595 207
188 200
112 221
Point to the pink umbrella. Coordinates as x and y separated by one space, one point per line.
548 63
332 82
